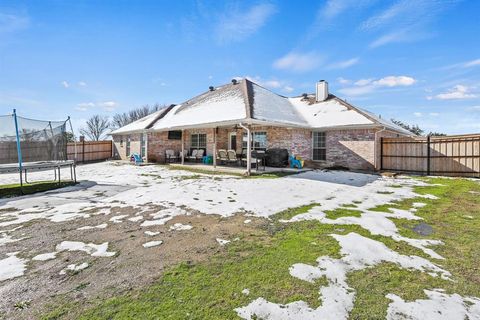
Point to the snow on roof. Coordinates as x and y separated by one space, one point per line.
271 107
248 102
225 103
140 124
330 113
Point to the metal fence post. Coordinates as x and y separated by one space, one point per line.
19 149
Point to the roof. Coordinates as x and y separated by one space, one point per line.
143 123
249 103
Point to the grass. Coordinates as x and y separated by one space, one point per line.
14 190
260 262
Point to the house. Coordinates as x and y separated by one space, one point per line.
321 128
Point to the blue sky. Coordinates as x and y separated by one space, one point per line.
413 60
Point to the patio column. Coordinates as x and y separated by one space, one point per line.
249 149
215 147
183 146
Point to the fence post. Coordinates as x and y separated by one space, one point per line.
428 155
381 153
82 138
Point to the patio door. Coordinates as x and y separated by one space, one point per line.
232 141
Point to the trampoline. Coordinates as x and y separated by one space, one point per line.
29 145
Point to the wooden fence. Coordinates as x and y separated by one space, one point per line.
90 150
448 155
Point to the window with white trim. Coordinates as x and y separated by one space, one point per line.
198 141
259 140
319 146
143 144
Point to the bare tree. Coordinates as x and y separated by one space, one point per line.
122 119
96 127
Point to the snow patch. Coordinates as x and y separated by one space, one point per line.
180 226
45 256
12 267
222 242
152 244
118 219
74 268
100 226
95 250
152 233
337 297
438 306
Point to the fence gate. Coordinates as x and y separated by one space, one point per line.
446 155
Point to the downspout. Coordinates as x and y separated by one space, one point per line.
375 149
249 151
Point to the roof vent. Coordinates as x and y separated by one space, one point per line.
234 81
321 93
305 95
211 88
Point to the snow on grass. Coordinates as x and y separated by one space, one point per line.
95 250
119 218
152 233
180 226
247 221
246 291
12 266
135 219
100 226
152 244
337 297
378 223
438 306
74 268
45 256
222 242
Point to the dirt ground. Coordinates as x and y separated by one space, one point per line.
133 266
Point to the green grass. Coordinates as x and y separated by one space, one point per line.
260 262
14 190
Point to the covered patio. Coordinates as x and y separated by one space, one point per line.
234 170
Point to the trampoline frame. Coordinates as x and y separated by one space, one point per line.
24 167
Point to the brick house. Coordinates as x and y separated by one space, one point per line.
321 128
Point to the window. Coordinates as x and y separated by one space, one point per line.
127 147
175 135
198 141
259 140
319 146
143 144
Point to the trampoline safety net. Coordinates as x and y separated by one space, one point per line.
39 140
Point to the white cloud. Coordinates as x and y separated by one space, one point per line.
405 20
84 106
343 80
65 84
364 86
394 81
417 114
298 62
238 25
472 63
474 108
456 93
82 83
272 83
434 114
107 105
344 64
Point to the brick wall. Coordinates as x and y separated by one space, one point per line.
120 145
354 149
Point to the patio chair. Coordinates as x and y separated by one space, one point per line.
232 157
192 156
200 153
135 157
244 158
222 156
170 156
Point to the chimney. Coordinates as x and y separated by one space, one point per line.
234 81
321 93
211 88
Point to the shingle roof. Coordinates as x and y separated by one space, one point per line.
248 102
